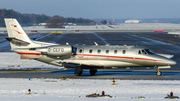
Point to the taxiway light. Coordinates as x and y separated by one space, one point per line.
103 92
113 80
29 90
113 83
63 78
171 94
29 77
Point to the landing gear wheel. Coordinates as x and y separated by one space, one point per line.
78 71
158 73
92 72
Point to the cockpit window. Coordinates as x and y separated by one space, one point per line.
149 51
144 52
139 52
32 49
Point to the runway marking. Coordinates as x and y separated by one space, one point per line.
104 40
44 36
58 38
55 39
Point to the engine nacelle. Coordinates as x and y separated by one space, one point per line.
59 50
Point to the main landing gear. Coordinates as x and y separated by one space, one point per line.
78 71
93 71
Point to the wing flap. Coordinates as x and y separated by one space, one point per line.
84 66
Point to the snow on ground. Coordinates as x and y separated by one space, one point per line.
77 89
11 59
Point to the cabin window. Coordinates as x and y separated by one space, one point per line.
90 51
139 52
80 51
107 51
115 51
144 52
99 51
124 51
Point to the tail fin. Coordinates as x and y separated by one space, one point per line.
16 34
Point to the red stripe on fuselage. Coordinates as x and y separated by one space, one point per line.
149 59
109 56
29 53
100 56
120 57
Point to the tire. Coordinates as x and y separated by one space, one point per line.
158 73
92 72
77 74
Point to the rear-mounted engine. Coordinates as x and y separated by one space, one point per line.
59 50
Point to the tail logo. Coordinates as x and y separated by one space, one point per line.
18 32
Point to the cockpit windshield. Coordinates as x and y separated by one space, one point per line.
149 51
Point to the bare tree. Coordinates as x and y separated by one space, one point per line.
55 22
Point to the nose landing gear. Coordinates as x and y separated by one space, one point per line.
158 73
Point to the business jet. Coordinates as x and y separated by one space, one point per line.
90 57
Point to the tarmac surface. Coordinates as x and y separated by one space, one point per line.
158 42
122 74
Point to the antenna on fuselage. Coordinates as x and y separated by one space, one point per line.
95 43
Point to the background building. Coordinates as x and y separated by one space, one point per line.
132 21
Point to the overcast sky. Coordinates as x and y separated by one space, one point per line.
97 8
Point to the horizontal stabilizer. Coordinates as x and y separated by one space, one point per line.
16 41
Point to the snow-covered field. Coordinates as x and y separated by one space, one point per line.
77 89
11 59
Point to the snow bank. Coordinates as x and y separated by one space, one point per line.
10 59
77 89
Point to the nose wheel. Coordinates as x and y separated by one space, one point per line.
158 73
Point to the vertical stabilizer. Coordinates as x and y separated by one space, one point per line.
15 32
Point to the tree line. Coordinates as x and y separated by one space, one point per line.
59 21
24 19
34 19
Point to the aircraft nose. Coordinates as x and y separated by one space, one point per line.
172 63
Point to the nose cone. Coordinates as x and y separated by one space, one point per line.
172 63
